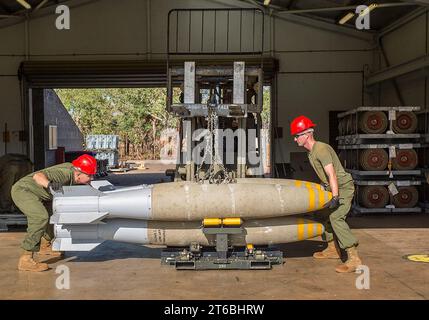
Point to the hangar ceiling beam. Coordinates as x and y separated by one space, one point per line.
318 23
396 71
344 8
403 20
40 5
419 2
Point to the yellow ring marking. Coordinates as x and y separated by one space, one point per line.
298 183
311 199
300 229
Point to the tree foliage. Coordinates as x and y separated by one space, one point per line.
138 116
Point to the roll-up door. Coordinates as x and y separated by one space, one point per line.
104 74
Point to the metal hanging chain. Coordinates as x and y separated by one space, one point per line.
207 151
212 136
216 177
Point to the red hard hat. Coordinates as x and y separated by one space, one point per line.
300 124
86 164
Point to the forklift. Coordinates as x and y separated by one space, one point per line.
217 96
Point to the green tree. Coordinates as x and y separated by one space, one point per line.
138 116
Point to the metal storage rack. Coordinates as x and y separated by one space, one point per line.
423 118
353 141
12 219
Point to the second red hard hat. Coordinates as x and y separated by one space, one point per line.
300 124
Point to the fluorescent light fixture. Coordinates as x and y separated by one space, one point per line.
267 2
346 18
371 7
24 3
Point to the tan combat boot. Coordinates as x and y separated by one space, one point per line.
27 263
46 249
353 261
331 252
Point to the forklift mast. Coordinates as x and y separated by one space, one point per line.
218 96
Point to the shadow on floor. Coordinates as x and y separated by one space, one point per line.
305 248
111 250
301 249
417 220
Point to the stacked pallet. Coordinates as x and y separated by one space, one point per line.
380 147
106 147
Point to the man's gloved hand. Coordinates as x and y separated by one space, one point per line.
325 186
55 186
334 203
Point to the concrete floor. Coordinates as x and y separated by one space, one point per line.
126 271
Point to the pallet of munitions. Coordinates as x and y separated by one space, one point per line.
387 196
102 142
105 147
382 158
382 148
375 121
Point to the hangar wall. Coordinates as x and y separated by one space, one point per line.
320 70
69 135
12 48
402 45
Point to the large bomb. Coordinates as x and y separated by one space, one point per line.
188 201
258 232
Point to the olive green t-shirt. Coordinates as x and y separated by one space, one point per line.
320 156
62 173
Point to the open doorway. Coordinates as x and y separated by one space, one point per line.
64 120
136 116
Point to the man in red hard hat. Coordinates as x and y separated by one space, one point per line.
31 193
328 167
